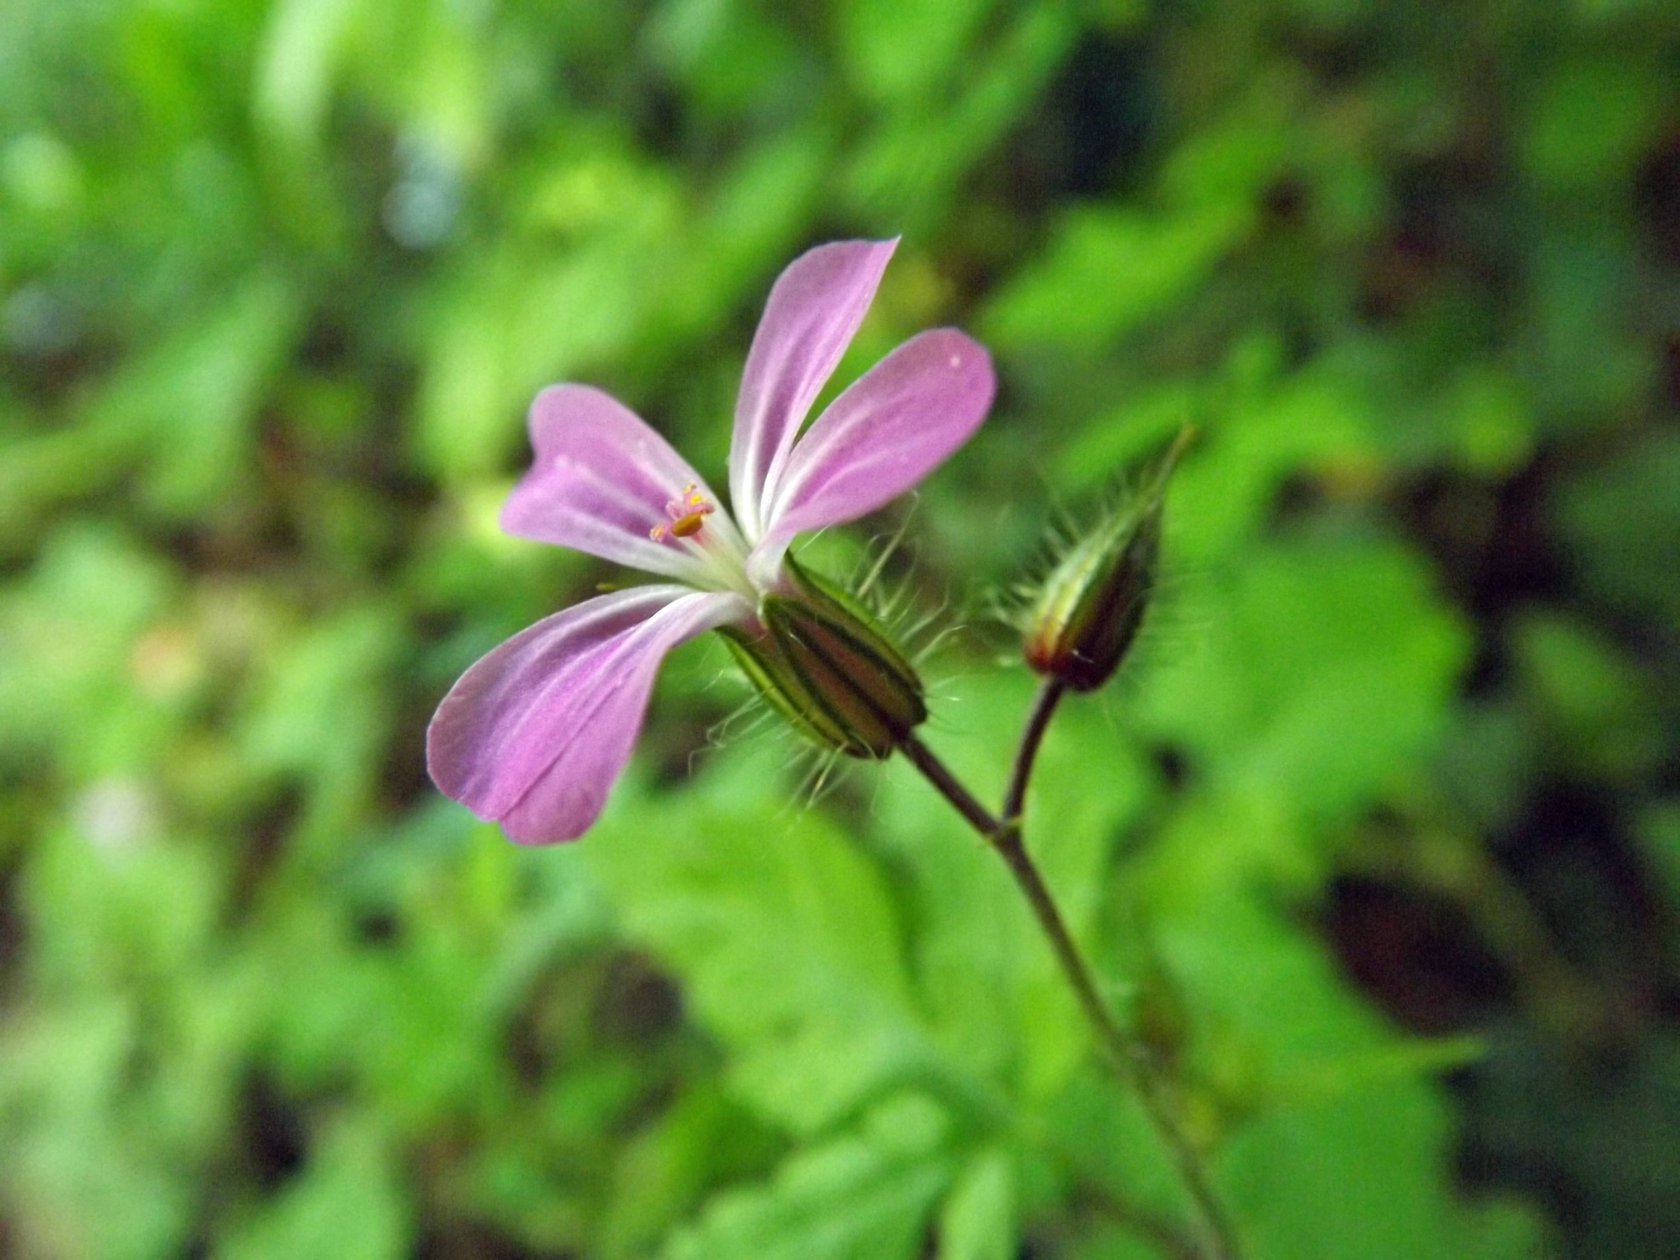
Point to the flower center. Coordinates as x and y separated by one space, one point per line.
688 512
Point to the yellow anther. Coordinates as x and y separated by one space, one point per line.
688 514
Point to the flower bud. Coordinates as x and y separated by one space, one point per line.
824 665
1088 612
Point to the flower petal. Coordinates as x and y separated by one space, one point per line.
536 732
600 480
814 309
884 434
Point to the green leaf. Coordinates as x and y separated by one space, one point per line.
188 406
1620 520
305 45
523 317
867 1193
1263 430
899 52
1106 271
1593 118
1326 667
978 1221
320 709
1595 706
662 1174
785 934
77 620
1368 1175
911 172
1659 828
347 1203
79 1152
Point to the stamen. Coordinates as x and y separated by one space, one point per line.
688 513
688 524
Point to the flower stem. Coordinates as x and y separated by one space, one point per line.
951 788
1128 1055
1049 695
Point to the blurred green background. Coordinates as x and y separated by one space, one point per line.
1377 838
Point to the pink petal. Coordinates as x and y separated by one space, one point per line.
814 309
884 434
536 732
600 480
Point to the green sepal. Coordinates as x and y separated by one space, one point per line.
858 621
869 695
824 665
769 673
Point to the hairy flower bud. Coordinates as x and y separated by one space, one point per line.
824 665
1088 612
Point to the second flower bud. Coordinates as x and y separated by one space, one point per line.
1089 610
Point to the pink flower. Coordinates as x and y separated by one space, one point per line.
535 733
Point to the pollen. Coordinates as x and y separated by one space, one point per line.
687 512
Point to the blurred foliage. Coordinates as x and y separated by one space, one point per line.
1378 841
